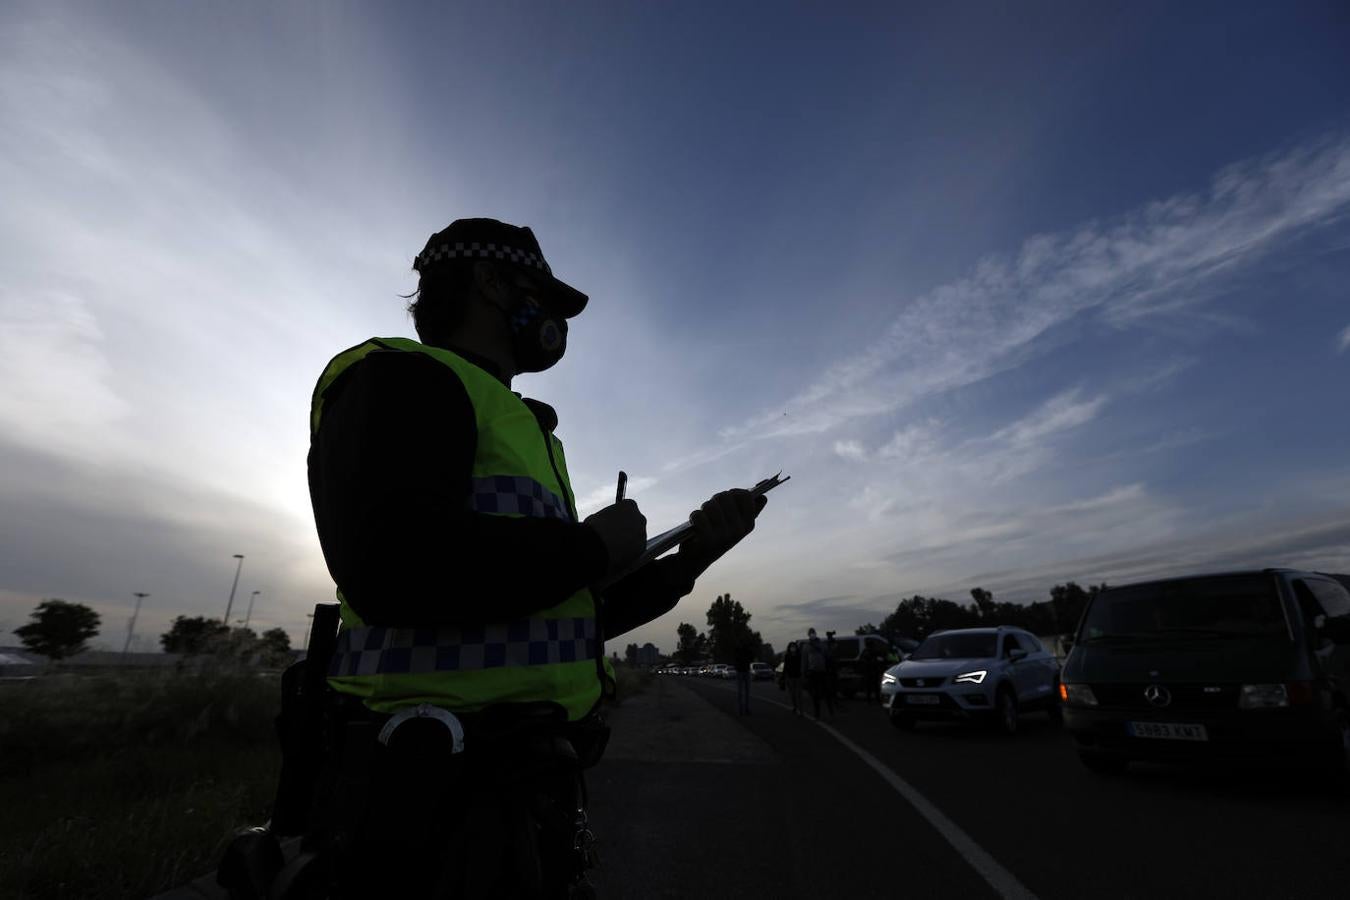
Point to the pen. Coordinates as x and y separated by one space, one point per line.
623 483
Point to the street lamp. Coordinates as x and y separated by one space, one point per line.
249 614
131 626
230 605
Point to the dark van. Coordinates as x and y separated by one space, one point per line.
1246 664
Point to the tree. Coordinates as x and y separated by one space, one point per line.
630 654
197 634
1068 601
729 628
984 602
59 629
692 644
275 644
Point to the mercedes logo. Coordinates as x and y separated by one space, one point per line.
1157 695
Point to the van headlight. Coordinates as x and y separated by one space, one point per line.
976 677
1079 695
1263 696
888 678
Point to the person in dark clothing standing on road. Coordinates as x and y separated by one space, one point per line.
815 666
870 664
745 655
792 675
472 641
832 668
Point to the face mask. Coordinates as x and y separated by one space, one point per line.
538 338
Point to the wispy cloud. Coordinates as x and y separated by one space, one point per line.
1156 260
1343 341
1060 413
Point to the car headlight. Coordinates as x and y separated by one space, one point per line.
888 678
1263 696
1078 694
976 677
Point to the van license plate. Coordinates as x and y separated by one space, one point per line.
1170 731
931 699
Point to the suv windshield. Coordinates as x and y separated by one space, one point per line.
1224 606
957 646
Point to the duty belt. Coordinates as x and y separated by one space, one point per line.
526 642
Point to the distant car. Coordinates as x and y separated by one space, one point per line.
1244 664
761 672
994 674
725 671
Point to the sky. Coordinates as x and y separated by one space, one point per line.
1016 293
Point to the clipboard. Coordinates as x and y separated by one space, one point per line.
669 540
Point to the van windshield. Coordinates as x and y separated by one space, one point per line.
1229 606
845 648
958 646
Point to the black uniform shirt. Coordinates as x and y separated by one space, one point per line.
390 474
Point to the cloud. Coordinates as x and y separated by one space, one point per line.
1162 258
1112 498
912 441
1343 341
603 496
850 450
1060 413
72 531
58 392
1318 544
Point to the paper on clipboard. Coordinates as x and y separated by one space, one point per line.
668 540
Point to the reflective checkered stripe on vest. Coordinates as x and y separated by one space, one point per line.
549 656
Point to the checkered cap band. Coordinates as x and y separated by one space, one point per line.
417 651
516 494
477 250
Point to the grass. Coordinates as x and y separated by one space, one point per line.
631 681
127 785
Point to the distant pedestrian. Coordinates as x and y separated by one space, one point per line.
815 665
745 654
792 675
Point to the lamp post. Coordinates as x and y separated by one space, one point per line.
308 625
131 626
249 614
230 605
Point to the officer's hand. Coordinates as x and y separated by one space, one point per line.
623 528
719 525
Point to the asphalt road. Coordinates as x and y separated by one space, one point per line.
695 801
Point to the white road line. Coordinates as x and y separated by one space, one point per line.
999 878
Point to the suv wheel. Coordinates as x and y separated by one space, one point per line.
1005 714
1101 763
901 719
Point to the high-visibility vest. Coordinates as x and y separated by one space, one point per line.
553 655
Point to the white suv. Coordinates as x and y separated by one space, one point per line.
968 673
